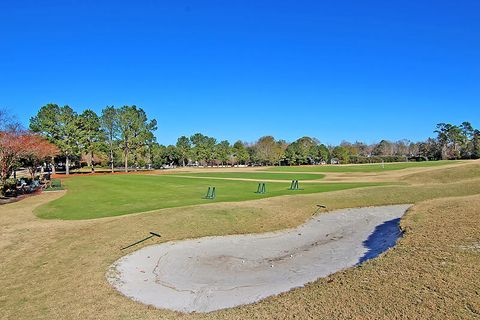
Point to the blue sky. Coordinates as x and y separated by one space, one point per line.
335 70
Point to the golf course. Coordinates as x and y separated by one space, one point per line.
238 160
57 246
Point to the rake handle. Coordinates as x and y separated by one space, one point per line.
152 234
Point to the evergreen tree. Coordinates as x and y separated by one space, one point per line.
109 124
91 135
136 131
184 147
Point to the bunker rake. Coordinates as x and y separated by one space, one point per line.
152 234
319 207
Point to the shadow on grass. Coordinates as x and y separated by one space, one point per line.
382 238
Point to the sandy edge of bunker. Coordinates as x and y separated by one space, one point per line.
213 273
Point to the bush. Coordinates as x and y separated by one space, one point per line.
10 184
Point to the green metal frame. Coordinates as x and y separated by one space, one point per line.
294 185
261 188
211 193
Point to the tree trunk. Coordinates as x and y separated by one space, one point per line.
126 161
53 165
91 161
111 158
67 165
183 162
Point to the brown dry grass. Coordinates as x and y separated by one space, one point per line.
462 172
56 269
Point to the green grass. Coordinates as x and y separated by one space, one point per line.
256 175
90 197
377 167
54 189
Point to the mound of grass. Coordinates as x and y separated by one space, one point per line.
91 197
470 170
377 167
256 175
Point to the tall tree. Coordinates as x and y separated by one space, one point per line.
323 153
203 149
184 147
383 148
362 148
46 122
293 154
223 151
172 155
60 126
136 131
450 138
109 123
91 134
401 147
341 154
210 144
158 155
476 144
466 140
240 153
303 151
268 151
430 149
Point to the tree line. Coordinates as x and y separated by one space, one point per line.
124 137
451 142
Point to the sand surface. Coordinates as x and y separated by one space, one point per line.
212 273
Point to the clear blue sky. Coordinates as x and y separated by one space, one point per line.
334 70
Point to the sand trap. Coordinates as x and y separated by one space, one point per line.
213 273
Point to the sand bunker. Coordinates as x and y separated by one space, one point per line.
213 273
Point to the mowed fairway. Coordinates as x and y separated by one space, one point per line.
377 167
256 175
91 197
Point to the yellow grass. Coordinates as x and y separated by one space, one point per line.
56 269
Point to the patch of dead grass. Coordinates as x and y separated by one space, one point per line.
465 171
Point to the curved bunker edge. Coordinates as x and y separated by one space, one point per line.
213 273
